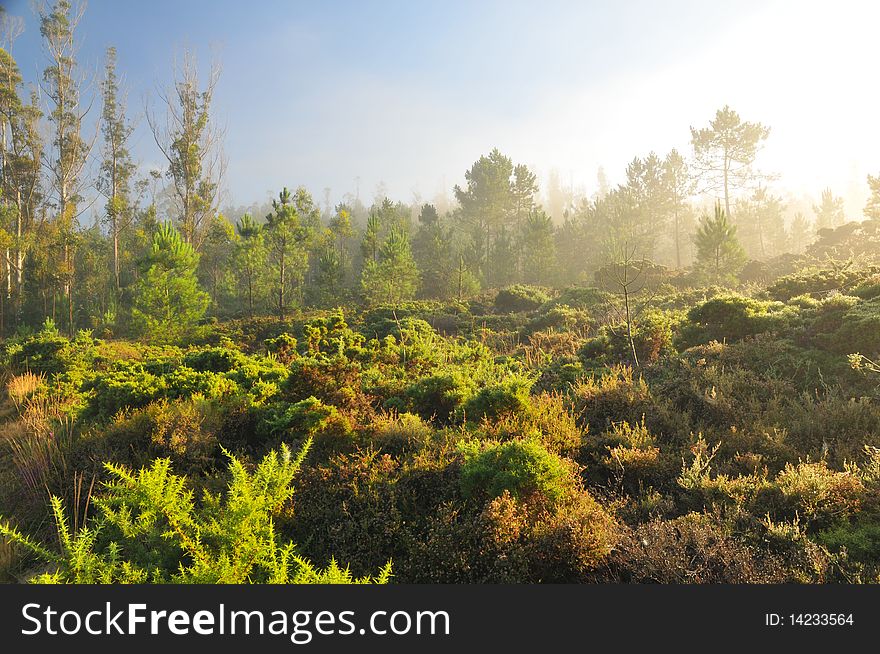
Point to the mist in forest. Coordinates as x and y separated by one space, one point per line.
319 97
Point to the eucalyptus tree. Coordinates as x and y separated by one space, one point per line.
191 143
67 156
21 159
117 167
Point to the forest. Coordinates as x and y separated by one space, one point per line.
672 380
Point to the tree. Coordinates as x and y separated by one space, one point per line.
800 233
627 275
872 208
70 152
432 250
616 224
250 258
168 300
725 152
393 277
117 167
719 254
558 199
497 196
829 212
21 157
538 248
343 236
288 257
762 224
678 186
191 144
216 262
372 239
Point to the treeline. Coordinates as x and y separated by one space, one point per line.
103 247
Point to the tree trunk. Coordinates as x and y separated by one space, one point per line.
677 240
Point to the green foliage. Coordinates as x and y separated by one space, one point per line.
393 277
494 401
168 300
149 528
520 298
521 468
720 256
822 281
733 317
440 395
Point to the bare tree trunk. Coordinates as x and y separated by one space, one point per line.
677 240
727 187
629 334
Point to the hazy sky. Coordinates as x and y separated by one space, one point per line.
411 93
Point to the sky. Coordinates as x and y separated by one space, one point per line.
348 95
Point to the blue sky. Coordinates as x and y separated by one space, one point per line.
411 93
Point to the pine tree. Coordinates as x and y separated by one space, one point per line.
250 259
432 250
725 151
719 254
678 187
800 233
393 277
761 224
829 212
497 197
538 249
288 257
651 203
168 300
216 264
872 208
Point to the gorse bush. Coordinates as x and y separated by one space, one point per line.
149 528
494 401
733 317
521 468
520 298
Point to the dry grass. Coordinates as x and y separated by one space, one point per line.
38 440
21 387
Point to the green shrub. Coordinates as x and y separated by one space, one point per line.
518 298
582 297
50 353
283 346
150 529
860 539
819 282
439 396
560 317
399 433
616 395
522 468
215 359
733 317
499 399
